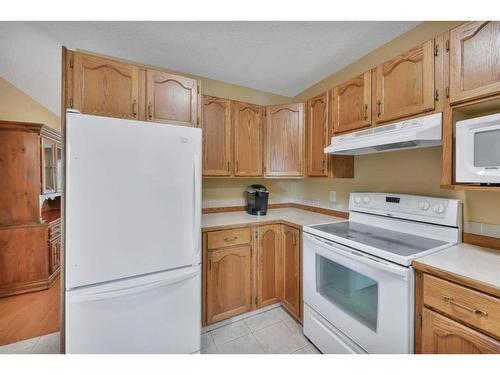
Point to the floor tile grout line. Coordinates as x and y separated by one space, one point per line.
34 344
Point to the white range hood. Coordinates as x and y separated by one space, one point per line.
419 132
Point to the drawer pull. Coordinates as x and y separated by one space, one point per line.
472 310
229 239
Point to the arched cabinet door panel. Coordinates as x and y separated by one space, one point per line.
441 335
171 98
317 137
105 87
228 286
248 143
474 61
351 104
216 125
291 267
284 141
405 84
268 265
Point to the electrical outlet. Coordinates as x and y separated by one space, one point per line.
333 196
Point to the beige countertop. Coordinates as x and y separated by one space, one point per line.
468 261
295 216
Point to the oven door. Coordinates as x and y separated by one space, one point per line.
477 152
368 299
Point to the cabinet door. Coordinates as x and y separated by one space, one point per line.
54 255
48 166
291 266
171 98
105 87
216 124
474 61
317 135
228 283
351 104
247 126
405 84
59 170
284 141
268 265
441 335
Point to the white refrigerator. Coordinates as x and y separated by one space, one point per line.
133 237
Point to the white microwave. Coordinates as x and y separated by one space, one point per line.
477 158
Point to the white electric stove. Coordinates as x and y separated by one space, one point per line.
358 280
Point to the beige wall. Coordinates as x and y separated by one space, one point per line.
15 105
234 188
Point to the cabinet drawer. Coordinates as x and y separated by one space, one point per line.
230 237
472 307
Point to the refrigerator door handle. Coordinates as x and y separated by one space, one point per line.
196 204
170 280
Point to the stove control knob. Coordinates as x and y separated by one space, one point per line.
357 200
366 200
424 206
439 208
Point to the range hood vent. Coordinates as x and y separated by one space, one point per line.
415 133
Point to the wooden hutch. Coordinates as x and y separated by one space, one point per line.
30 201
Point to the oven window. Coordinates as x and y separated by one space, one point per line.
354 293
486 150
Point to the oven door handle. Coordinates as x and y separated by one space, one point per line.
359 256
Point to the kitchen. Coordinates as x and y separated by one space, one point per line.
296 230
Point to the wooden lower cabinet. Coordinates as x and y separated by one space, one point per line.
268 265
441 335
291 269
228 283
266 270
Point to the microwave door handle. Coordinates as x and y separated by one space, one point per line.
359 257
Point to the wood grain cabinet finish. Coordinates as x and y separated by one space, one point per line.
105 87
441 335
284 141
291 269
405 84
268 265
474 61
217 135
228 288
248 141
171 98
317 135
351 104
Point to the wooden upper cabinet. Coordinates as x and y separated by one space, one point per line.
351 104
268 265
474 61
247 127
171 98
317 135
105 87
291 269
405 84
441 335
284 141
228 283
216 124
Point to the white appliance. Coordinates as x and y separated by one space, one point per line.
478 150
358 280
132 222
414 133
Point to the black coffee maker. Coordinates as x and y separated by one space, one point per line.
257 196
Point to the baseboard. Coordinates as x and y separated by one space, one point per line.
28 286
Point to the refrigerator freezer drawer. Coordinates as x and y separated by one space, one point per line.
157 313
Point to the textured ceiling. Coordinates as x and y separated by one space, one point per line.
279 57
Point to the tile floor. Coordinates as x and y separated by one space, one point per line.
47 344
270 332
